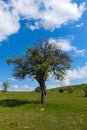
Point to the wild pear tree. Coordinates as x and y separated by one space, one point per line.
39 61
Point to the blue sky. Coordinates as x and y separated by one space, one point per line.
22 22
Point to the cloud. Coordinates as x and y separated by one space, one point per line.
12 79
79 25
58 13
26 86
15 87
21 87
80 52
49 14
9 21
0 83
28 9
78 73
33 27
66 45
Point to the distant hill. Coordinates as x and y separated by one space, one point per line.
74 87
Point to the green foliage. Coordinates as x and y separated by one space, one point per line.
5 86
41 71
38 61
85 90
38 89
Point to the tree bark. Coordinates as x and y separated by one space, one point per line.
43 92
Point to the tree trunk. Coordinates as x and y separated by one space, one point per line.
43 92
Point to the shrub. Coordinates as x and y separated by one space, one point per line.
38 89
61 90
85 90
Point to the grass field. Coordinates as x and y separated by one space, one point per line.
23 111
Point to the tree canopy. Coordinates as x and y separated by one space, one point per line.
39 61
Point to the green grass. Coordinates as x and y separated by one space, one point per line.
23 111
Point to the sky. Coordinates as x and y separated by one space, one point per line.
23 22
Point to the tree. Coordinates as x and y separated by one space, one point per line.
5 86
39 61
38 89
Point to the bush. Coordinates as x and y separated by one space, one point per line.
85 90
61 90
38 89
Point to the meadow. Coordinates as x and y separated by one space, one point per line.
63 110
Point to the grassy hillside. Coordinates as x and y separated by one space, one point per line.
63 111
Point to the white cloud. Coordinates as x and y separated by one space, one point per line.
0 83
29 9
80 52
80 72
58 13
33 27
26 86
21 87
49 14
66 45
9 21
79 25
12 79
15 87
77 74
